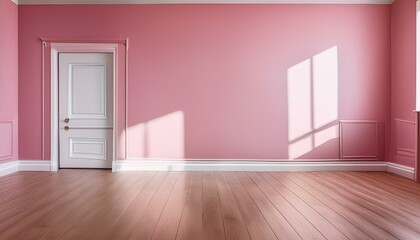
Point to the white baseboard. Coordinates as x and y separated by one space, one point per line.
9 167
221 165
29 165
401 170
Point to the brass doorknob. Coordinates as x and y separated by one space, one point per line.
66 120
66 128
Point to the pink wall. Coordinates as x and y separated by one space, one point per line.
229 81
8 81
403 81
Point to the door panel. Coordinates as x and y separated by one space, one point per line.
86 148
85 110
87 93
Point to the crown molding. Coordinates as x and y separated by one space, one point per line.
15 1
40 2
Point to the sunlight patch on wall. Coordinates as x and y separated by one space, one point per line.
162 137
299 99
325 135
312 88
325 87
298 148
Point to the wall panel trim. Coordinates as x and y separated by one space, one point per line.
341 140
10 155
401 151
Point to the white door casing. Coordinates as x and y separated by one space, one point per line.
90 139
85 110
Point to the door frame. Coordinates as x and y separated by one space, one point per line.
57 48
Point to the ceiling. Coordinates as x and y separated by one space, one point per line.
203 1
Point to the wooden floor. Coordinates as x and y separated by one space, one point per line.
96 204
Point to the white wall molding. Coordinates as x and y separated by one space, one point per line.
404 150
37 165
245 165
342 124
15 1
237 165
205 1
7 136
9 167
401 170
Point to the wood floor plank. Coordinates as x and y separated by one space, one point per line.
113 215
30 208
147 222
96 204
359 208
123 227
24 197
213 228
233 222
35 209
305 228
376 230
380 203
191 226
328 197
10 183
167 226
382 193
278 223
410 195
345 226
325 227
97 208
258 227
32 189
395 181
66 224
369 210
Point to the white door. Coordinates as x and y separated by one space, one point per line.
85 110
